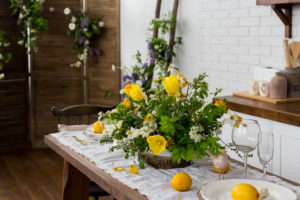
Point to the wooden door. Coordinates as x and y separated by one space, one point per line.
13 119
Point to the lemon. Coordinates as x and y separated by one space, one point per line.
222 171
98 127
244 191
181 182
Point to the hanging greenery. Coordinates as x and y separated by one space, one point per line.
29 14
82 29
4 56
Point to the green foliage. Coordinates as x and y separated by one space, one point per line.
29 14
5 57
83 31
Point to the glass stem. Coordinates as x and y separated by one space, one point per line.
245 165
265 172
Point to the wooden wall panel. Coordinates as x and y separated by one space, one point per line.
56 83
102 78
13 123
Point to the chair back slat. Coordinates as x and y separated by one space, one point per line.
79 111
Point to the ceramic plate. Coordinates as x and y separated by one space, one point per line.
89 132
221 190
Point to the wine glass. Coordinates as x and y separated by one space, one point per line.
245 138
265 150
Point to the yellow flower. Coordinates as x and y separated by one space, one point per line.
170 142
238 121
157 144
98 127
133 169
136 93
171 85
118 169
220 103
148 118
127 89
129 132
182 80
137 109
158 80
126 103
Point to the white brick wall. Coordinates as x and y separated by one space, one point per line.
224 38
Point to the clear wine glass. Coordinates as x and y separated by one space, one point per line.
245 138
265 150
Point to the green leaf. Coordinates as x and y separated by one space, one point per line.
142 162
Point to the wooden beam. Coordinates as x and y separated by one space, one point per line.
285 16
272 2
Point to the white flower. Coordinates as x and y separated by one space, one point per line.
195 133
1 57
72 26
122 91
156 47
85 30
6 44
87 42
51 9
77 64
2 76
145 132
113 67
172 69
67 11
21 16
101 23
229 118
73 19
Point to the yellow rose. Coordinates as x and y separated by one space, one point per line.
133 169
220 103
126 103
137 109
136 93
171 85
182 80
127 89
157 144
98 127
148 118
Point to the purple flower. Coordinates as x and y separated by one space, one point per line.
42 8
97 52
91 51
125 77
145 65
149 46
84 23
19 22
152 61
81 39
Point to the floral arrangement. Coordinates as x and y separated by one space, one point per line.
4 57
159 53
29 14
174 116
82 29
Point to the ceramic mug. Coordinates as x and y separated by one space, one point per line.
253 87
264 88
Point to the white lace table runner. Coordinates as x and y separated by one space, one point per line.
153 183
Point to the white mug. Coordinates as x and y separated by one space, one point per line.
264 88
253 87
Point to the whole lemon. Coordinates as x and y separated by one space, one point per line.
98 127
222 171
244 191
181 182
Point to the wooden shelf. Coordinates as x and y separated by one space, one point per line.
288 113
274 2
283 9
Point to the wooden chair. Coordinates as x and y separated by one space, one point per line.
80 111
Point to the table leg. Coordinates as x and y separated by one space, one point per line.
75 184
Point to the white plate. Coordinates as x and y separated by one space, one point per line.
221 190
89 132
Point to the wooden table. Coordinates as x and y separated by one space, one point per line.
78 171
